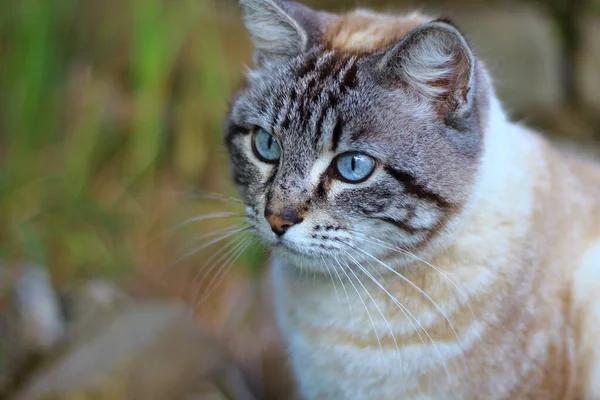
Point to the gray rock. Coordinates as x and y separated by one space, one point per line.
150 351
588 64
38 320
91 305
31 322
521 49
5 280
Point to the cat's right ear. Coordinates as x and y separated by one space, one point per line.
280 28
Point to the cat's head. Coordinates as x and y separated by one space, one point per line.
355 134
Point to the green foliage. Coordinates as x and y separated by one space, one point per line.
104 111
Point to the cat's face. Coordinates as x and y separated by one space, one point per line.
342 156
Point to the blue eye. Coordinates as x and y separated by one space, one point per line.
354 167
266 147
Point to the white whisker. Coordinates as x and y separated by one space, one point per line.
222 214
225 267
205 245
352 322
196 240
436 268
373 300
331 277
416 287
214 196
430 300
203 271
365 305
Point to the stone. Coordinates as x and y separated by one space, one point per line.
90 305
588 65
31 323
521 50
5 279
39 322
152 350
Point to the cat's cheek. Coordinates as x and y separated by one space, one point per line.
262 228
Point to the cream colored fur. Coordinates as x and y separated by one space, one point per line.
519 285
505 301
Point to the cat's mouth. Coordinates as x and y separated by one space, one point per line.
286 248
291 249
286 245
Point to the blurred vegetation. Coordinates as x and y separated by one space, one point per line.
110 123
111 150
110 116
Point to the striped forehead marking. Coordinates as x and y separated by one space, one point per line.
310 103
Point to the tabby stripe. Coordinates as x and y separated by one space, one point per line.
341 66
318 128
337 134
349 80
412 186
241 179
285 124
314 76
326 66
309 92
269 183
276 111
402 225
308 67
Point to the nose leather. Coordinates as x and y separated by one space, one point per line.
283 220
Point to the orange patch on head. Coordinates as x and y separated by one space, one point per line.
368 32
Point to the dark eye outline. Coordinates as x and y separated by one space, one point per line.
255 132
338 175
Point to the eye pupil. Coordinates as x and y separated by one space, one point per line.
354 167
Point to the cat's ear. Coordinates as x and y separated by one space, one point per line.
435 61
280 28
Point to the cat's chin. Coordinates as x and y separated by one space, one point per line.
324 262
304 258
293 252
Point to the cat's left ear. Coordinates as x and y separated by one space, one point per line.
280 28
437 63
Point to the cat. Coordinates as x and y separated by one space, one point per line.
424 246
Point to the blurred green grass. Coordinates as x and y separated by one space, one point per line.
109 113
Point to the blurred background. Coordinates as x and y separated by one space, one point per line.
115 198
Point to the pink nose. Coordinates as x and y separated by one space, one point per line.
282 221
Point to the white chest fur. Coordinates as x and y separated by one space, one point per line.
344 343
